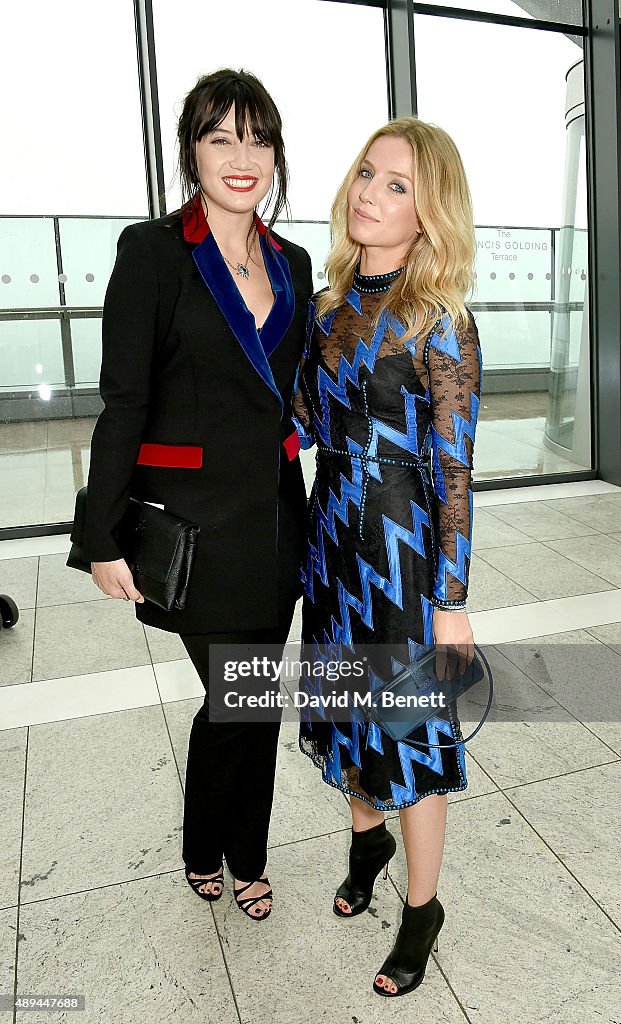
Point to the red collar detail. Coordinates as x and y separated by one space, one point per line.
262 231
196 228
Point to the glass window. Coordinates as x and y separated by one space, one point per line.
31 352
28 269
88 248
513 101
86 346
74 149
71 110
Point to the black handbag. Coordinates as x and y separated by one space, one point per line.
158 546
397 706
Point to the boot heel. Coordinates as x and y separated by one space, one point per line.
385 871
434 948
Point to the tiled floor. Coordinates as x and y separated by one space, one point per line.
95 712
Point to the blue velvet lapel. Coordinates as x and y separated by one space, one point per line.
216 276
281 314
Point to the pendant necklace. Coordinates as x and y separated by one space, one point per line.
242 268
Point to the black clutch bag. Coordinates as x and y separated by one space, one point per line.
416 694
159 548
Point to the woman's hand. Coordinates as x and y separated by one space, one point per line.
454 642
115 580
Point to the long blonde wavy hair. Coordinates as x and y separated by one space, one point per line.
439 269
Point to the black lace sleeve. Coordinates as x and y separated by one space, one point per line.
454 366
301 408
301 415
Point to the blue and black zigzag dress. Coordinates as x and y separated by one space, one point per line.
389 525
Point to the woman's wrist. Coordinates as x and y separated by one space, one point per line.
448 606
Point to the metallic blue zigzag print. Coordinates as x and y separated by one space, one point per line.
314 683
456 568
432 760
310 323
408 441
365 355
354 300
374 733
428 610
351 490
457 448
392 587
324 322
338 740
449 343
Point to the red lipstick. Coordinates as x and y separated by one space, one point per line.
247 182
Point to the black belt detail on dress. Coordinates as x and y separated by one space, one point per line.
415 460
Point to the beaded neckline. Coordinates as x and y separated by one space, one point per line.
372 284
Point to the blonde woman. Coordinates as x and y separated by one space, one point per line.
389 392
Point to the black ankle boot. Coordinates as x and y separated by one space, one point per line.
369 852
405 964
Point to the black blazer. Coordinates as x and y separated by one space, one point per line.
197 418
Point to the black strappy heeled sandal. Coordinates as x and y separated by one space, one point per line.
249 902
195 884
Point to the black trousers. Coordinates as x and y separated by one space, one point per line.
229 783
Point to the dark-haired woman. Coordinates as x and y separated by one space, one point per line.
203 327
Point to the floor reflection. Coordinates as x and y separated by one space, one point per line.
43 464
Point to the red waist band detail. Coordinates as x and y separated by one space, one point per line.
292 445
172 456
